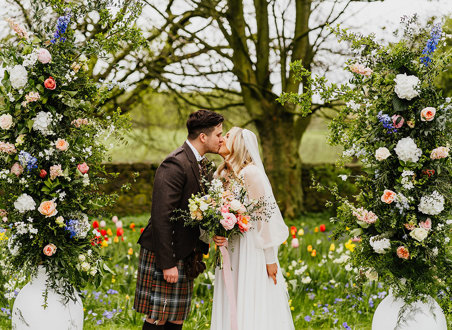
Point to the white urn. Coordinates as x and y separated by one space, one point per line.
419 315
29 313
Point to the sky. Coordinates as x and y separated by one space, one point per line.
380 18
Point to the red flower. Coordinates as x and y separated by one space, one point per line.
95 224
293 231
429 172
50 83
132 226
141 230
119 232
103 232
43 174
322 228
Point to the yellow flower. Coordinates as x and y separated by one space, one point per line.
349 245
206 256
113 280
313 253
109 232
291 308
347 228
104 244
127 297
290 302
309 248
301 232
197 305
130 252
287 274
332 247
116 239
316 229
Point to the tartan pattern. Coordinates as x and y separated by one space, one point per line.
157 298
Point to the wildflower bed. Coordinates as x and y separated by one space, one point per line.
324 288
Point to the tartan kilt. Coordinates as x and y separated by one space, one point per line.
156 297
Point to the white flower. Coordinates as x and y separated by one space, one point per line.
85 266
85 179
447 240
343 258
406 86
432 204
6 121
81 257
419 234
18 77
343 177
407 150
24 203
306 280
382 153
93 272
372 274
435 251
407 181
380 245
348 267
42 122
402 202
14 245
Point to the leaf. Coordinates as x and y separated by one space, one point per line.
398 104
30 125
106 268
40 88
72 93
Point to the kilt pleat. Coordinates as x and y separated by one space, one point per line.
156 297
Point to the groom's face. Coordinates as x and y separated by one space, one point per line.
214 140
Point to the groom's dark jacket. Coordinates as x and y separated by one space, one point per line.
176 179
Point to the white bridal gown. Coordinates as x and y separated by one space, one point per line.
261 305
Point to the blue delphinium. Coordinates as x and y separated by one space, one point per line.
62 24
71 227
387 123
432 43
27 160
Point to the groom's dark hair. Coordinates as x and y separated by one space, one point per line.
202 121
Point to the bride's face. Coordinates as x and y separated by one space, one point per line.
224 151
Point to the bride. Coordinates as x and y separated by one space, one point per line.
261 297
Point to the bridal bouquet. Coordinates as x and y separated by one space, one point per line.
221 212
398 124
52 146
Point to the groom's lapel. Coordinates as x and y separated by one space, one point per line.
191 157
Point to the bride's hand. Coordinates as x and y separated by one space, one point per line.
220 240
272 270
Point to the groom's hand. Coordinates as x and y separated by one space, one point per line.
272 270
171 275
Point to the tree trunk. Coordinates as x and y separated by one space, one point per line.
280 143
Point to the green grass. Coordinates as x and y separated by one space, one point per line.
331 283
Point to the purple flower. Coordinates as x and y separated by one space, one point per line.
108 315
345 325
307 318
432 43
111 291
62 24
386 121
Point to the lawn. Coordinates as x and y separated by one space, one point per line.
321 284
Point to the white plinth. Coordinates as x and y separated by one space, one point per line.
420 316
29 314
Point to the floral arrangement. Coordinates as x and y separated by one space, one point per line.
398 124
220 212
52 135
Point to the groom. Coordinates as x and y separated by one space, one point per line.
169 250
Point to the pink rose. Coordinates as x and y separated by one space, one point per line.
83 168
44 56
225 208
428 114
7 147
55 171
48 209
228 221
61 145
49 250
388 196
440 152
427 224
367 72
17 169
396 122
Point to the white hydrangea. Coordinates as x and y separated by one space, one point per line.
42 122
18 77
30 59
407 181
380 245
405 87
25 203
407 150
402 202
432 204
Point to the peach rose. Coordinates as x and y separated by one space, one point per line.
409 226
17 169
61 145
55 171
228 221
49 250
243 222
440 152
50 83
83 168
48 208
388 196
44 56
428 114
427 224
402 252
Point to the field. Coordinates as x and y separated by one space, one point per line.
321 284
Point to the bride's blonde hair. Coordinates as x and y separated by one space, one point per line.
239 156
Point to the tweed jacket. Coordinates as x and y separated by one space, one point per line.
176 179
